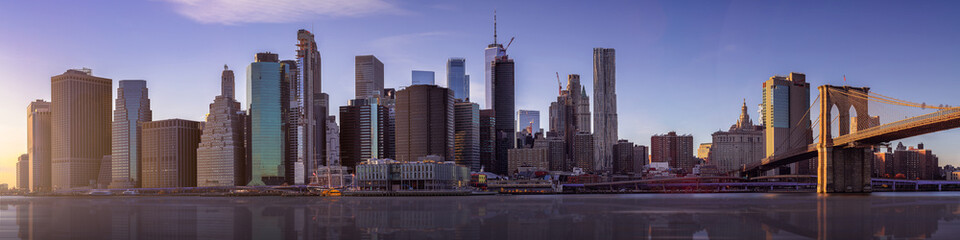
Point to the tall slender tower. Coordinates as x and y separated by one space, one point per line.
457 79
505 112
492 52
221 159
133 109
312 105
80 126
786 100
604 106
38 145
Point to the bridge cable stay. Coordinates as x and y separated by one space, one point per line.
795 127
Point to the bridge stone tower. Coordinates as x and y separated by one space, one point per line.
842 169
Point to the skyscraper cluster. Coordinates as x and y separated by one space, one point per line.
283 132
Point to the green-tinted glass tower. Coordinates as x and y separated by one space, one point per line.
264 98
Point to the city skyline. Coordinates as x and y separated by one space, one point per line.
647 71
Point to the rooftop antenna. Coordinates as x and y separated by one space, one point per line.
494 26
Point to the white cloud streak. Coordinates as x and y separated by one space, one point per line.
232 12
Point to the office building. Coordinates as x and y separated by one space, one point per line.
170 153
504 106
425 122
676 150
369 76
528 160
293 164
38 145
133 109
221 154
556 161
488 140
23 172
786 101
570 115
312 105
389 101
362 127
604 105
703 152
738 147
457 79
80 127
264 104
584 152
624 160
529 121
493 52
333 142
466 140
423 78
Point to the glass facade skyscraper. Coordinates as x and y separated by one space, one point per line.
133 108
423 78
457 79
266 120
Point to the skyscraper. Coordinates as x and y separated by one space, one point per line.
488 133
490 54
23 172
333 142
423 78
264 102
787 127
369 76
504 107
80 126
221 157
584 152
425 122
312 105
362 125
528 121
457 80
569 116
38 145
605 105
170 153
133 108
466 140
624 159
290 98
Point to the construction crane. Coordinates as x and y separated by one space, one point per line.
508 44
559 85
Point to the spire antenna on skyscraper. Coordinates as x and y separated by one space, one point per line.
494 26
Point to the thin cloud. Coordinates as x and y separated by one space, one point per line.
277 11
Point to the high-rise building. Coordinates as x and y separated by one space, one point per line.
423 78
528 121
584 152
80 127
362 131
493 52
570 115
457 79
738 147
293 165
466 141
908 163
786 122
488 140
624 159
641 156
133 109
504 106
264 103
604 105
369 76
389 132
38 145
170 153
675 150
557 148
333 142
425 122
311 105
23 172
221 156
703 152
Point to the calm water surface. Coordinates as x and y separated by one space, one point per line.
634 216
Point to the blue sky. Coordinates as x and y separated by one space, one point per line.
682 66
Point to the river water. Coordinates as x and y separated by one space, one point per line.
625 216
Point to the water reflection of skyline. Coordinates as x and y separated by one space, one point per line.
717 216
